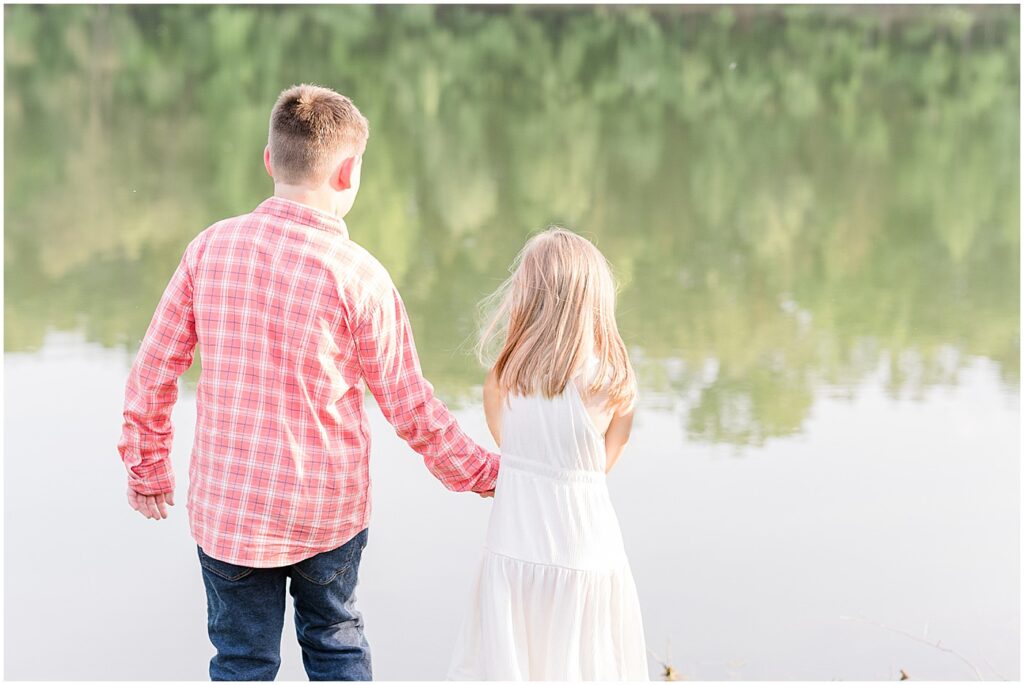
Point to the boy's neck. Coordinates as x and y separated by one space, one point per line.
312 198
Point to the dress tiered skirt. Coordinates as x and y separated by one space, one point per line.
553 597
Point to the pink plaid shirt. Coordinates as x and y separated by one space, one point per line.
289 313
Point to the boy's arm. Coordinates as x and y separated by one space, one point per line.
407 399
166 352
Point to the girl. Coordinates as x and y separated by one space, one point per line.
554 598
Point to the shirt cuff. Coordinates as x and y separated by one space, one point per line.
152 479
490 475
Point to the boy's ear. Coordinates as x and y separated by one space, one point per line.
266 161
343 177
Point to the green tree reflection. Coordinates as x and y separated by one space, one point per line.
792 196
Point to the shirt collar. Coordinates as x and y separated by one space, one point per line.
302 214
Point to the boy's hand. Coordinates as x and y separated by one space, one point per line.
151 506
486 493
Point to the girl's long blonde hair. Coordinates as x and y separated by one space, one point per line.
554 311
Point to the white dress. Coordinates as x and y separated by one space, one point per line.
554 597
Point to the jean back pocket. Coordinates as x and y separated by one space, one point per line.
324 567
223 569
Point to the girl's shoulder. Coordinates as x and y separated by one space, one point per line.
592 389
588 375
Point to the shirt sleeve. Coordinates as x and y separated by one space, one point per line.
407 399
152 388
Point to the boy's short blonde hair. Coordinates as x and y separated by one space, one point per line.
310 128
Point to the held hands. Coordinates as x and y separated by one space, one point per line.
151 506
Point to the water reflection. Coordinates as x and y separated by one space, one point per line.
788 195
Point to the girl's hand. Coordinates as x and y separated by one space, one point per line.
486 493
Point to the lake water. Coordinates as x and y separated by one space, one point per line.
814 216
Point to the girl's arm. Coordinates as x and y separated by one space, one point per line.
492 410
616 437
492 406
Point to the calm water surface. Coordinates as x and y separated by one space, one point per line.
814 217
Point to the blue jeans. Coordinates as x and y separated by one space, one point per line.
245 616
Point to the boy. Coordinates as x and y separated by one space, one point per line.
292 317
